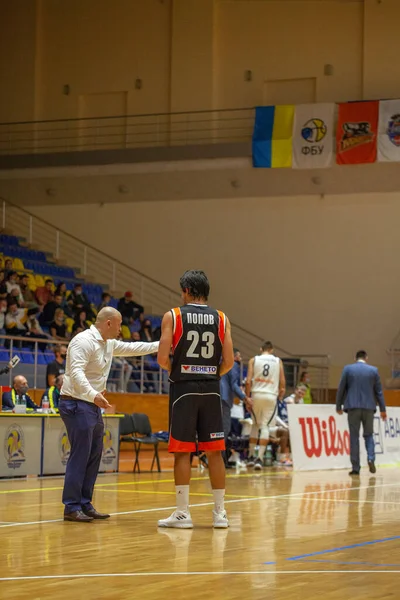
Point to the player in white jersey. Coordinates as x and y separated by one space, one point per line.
265 383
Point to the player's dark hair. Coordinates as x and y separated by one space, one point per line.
361 354
196 284
235 351
267 346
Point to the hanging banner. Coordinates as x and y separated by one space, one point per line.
389 131
272 136
313 136
356 133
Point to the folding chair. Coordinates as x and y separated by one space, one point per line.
143 435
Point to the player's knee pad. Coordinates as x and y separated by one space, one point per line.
264 433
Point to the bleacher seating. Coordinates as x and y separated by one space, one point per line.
39 266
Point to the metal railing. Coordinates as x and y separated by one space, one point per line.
127 131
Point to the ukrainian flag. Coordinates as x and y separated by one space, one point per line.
272 136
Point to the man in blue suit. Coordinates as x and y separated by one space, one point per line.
360 390
230 389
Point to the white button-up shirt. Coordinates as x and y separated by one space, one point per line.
89 360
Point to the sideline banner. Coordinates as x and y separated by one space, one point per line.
320 438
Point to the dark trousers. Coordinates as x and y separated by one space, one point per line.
85 430
356 416
226 420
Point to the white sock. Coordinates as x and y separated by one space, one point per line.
261 452
182 497
218 500
252 450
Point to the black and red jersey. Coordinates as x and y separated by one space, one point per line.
198 338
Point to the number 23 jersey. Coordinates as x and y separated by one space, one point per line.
198 338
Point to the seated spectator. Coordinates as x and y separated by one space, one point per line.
20 388
15 321
45 294
58 328
3 285
105 301
3 310
8 266
34 330
61 290
81 322
57 367
29 300
146 333
53 393
13 285
79 301
305 380
298 396
129 309
15 295
49 310
281 431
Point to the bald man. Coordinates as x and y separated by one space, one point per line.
89 359
20 388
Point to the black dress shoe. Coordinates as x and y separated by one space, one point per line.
354 472
93 514
372 467
78 516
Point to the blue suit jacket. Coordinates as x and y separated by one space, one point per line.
230 385
360 387
8 404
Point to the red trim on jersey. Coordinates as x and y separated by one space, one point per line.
214 445
178 329
177 446
222 327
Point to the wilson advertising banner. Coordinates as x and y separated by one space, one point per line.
320 438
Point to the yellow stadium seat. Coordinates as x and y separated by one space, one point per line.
39 281
69 323
18 264
126 332
32 282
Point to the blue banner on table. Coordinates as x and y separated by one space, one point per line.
272 136
313 136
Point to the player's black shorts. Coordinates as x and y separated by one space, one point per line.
195 415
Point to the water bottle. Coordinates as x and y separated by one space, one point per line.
23 403
268 456
45 404
19 404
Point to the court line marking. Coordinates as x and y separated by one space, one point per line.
342 562
166 493
123 483
192 573
161 508
339 549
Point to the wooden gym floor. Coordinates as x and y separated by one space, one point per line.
292 536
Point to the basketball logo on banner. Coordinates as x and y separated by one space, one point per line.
14 445
393 130
313 131
313 136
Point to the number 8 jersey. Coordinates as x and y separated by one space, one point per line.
266 374
198 338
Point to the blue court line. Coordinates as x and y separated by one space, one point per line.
339 562
396 537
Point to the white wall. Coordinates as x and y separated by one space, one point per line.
315 275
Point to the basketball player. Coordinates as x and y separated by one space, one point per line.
265 382
201 341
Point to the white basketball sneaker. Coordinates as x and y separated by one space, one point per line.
220 520
179 519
